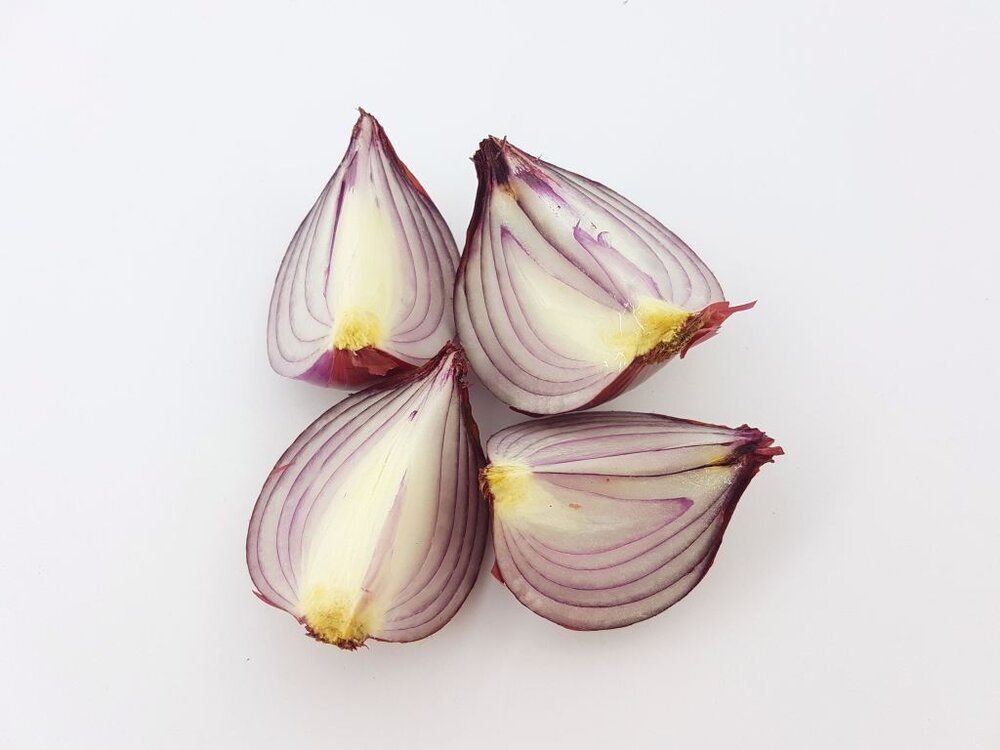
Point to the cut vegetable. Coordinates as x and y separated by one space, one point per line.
371 524
365 288
567 293
601 520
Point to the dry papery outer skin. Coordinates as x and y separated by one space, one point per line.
371 524
365 288
604 519
568 294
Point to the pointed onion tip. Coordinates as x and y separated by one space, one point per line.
365 122
758 446
491 165
710 320
367 133
449 358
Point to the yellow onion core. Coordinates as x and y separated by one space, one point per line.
334 618
357 329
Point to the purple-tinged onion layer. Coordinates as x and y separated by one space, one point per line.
604 519
568 294
371 524
365 288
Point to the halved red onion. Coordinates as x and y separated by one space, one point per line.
567 293
365 287
371 524
604 519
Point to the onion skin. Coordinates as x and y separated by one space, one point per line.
365 288
567 294
371 524
602 520
343 368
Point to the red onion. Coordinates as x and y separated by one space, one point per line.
371 524
567 293
601 520
365 287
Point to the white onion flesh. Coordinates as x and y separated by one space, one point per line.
371 524
566 291
604 519
365 288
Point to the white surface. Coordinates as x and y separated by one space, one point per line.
836 161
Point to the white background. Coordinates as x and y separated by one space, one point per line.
837 162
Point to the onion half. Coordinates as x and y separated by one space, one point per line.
365 288
371 524
568 294
601 520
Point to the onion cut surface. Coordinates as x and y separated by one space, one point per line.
567 293
371 524
604 519
365 288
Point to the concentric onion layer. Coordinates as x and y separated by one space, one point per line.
566 288
371 523
601 520
365 288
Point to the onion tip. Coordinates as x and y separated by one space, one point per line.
710 320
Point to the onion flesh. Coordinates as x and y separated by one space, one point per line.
604 519
567 293
371 524
365 287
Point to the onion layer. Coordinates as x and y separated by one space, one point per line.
371 523
568 294
365 287
601 520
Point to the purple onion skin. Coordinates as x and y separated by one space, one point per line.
417 318
306 485
621 514
583 236
346 369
